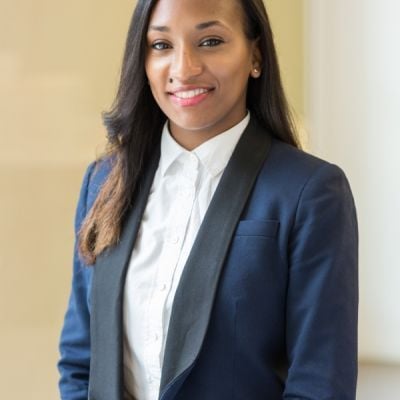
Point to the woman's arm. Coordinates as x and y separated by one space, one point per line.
74 360
322 299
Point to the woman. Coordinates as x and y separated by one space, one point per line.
214 259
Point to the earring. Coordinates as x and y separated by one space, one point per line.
170 80
256 72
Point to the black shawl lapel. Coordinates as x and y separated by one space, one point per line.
106 382
196 290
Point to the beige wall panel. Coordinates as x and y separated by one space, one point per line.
287 24
59 69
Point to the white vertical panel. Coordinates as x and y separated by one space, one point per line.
353 91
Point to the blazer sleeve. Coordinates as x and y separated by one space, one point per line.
322 296
74 362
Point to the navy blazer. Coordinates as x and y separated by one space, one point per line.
266 308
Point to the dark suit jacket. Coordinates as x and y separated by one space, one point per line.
266 308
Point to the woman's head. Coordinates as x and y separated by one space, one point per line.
137 99
245 76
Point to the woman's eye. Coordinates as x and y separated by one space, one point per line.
211 42
160 46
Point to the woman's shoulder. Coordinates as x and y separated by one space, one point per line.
101 167
294 163
289 172
95 175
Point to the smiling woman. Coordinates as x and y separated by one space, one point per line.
214 259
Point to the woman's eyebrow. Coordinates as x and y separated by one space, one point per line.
205 25
202 25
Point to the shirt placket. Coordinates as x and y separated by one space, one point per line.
182 206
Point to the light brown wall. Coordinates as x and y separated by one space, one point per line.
59 64
287 24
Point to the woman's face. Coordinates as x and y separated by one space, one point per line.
198 62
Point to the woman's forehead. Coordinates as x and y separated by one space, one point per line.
169 11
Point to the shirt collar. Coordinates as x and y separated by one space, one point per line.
213 154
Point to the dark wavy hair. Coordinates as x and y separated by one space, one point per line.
134 123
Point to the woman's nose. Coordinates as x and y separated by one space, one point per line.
186 64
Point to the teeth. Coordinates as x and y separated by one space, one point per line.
190 93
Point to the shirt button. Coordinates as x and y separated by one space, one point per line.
174 239
156 337
191 176
163 287
186 193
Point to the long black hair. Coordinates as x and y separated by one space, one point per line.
134 122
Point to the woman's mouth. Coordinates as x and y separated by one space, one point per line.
192 97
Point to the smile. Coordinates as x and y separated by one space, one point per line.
191 97
189 94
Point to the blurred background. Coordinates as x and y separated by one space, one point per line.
59 67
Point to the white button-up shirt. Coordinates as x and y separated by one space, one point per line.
183 186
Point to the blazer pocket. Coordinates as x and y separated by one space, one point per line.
268 228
